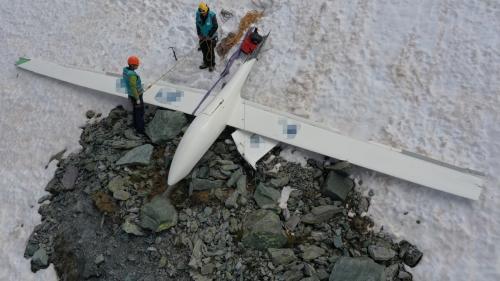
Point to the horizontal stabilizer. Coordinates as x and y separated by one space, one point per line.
252 146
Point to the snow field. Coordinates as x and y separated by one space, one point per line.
421 75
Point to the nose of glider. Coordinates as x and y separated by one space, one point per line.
172 180
174 176
178 169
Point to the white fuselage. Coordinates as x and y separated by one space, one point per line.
207 126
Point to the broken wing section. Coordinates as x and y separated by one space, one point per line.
299 132
252 146
162 94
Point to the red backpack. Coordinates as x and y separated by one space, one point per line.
251 42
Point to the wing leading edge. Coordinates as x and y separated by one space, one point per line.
162 94
299 132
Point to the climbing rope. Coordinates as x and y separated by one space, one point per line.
233 38
210 48
235 55
182 58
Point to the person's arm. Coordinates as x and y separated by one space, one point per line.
198 31
214 27
133 87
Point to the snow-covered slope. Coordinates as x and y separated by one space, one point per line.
422 75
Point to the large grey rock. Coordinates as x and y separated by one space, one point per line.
158 215
266 197
357 269
262 229
205 184
410 254
69 177
380 253
281 256
336 186
138 156
40 259
165 125
321 214
311 252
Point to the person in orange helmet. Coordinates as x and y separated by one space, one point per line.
135 90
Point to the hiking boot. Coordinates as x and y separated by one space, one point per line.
211 68
203 66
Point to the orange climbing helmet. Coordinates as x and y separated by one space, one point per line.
133 60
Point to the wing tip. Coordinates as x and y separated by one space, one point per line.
22 60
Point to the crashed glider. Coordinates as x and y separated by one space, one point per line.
260 128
